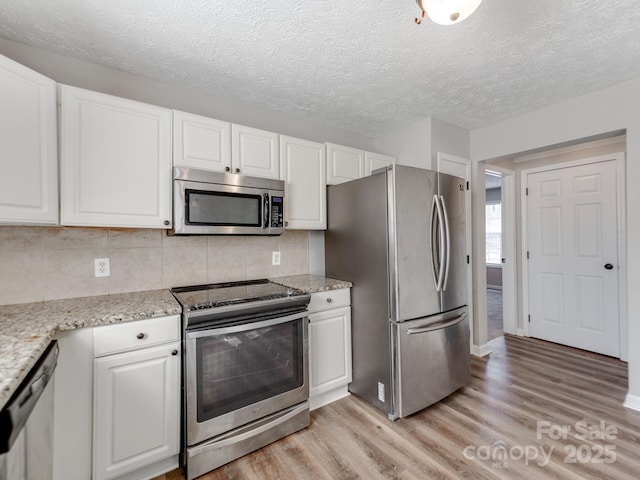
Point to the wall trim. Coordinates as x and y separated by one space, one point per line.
569 149
632 402
480 351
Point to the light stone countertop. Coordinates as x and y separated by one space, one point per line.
27 329
311 283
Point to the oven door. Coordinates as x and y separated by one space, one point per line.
240 373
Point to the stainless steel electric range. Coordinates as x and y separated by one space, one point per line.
245 369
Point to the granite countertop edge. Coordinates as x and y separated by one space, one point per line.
27 329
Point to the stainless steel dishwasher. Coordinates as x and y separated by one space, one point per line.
26 424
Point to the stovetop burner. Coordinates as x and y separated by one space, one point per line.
218 295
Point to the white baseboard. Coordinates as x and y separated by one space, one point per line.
153 470
632 402
480 351
319 400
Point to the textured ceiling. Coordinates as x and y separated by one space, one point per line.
363 66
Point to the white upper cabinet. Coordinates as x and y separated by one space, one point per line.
115 161
373 161
201 142
303 168
254 152
343 164
28 146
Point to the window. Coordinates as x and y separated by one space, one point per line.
493 219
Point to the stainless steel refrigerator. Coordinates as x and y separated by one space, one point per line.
399 236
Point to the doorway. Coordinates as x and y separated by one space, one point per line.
494 258
572 260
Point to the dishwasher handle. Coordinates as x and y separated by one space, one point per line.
437 326
15 413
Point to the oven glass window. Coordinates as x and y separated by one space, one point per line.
239 369
217 208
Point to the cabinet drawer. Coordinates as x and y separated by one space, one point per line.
331 299
134 335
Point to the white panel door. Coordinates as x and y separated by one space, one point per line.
329 350
254 152
373 161
28 146
303 167
115 161
136 409
201 142
573 253
343 164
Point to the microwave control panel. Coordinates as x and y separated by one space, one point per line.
277 212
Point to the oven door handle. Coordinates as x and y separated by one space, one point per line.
245 326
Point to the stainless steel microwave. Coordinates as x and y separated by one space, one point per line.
212 203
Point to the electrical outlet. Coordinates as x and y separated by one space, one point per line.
275 258
101 267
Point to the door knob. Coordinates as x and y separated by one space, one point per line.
608 266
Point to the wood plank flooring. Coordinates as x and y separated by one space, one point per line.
525 385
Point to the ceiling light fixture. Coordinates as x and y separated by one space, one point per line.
447 12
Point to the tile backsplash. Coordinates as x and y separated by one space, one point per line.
48 263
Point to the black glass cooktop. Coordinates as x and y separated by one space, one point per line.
200 297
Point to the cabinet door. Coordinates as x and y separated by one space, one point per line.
116 161
254 152
201 142
136 409
303 168
343 164
373 161
28 146
329 350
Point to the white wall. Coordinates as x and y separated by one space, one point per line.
411 145
448 138
613 109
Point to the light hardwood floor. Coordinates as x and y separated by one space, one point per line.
523 382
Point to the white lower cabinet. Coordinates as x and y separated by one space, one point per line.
72 406
136 409
330 369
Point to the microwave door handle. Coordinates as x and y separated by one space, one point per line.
265 210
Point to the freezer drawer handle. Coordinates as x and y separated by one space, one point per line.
437 326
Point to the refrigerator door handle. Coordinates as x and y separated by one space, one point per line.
447 243
435 258
437 326
442 246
